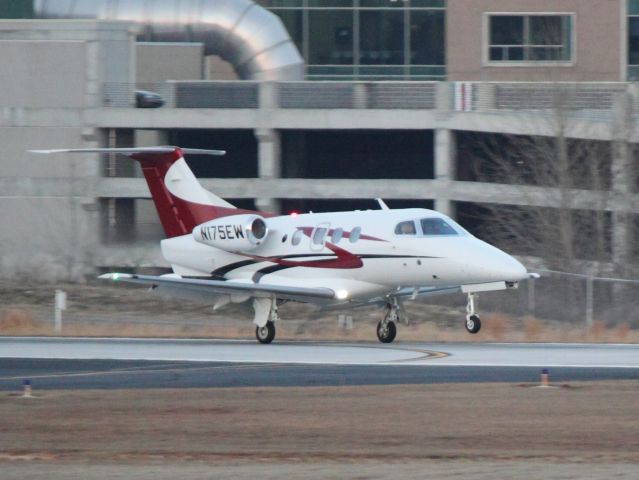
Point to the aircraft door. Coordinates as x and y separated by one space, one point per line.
318 237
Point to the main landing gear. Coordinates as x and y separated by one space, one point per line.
386 328
265 334
265 318
473 323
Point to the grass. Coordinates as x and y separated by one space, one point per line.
497 327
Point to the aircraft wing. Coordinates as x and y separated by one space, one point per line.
227 287
424 292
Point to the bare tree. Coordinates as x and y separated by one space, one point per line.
571 231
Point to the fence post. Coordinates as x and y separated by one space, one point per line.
531 295
589 300
60 304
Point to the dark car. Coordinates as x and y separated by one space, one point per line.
146 99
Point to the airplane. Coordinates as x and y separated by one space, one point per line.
221 254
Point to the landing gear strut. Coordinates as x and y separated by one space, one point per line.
473 323
386 328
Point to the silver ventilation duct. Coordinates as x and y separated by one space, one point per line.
244 34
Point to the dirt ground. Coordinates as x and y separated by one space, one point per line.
585 430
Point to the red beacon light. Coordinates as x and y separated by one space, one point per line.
293 213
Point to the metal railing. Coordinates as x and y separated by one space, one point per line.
585 100
215 95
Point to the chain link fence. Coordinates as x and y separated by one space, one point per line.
574 299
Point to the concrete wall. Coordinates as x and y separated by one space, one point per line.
599 41
51 77
42 74
158 62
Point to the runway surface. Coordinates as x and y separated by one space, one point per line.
141 363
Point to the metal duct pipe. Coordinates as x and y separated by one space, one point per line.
246 35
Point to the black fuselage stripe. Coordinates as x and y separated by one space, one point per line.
257 276
220 273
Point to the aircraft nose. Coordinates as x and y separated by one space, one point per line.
510 269
496 265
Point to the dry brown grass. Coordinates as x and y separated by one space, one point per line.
532 329
497 326
16 321
597 331
621 333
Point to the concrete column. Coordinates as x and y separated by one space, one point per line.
622 178
445 154
268 96
269 164
148 138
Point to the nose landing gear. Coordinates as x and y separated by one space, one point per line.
386 328
473 323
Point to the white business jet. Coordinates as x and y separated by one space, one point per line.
221 254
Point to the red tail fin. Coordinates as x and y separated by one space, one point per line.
182 203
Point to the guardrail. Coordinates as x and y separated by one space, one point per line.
584 99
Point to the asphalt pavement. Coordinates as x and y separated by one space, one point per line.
79 363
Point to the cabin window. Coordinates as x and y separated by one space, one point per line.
355 233
319 235
337 235
406 228
297 237
436 226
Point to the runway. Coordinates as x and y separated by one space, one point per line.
144 363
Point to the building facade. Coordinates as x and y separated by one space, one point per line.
401 100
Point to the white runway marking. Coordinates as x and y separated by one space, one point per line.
233 351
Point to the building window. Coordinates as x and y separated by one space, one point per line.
367 39
633 40
381 37
332 39
427 37
529 38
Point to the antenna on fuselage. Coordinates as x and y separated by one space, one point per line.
382 205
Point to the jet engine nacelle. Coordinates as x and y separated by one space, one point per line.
236 233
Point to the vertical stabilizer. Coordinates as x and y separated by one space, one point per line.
182 203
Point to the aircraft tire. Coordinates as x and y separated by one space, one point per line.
386 335
265 334
473 324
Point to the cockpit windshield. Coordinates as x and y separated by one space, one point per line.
428 227
406 228
436 226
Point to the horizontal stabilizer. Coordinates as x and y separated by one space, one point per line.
134 151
